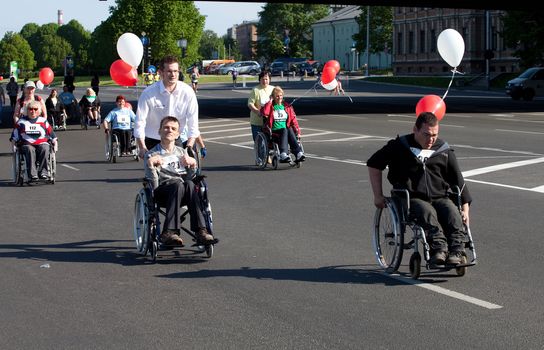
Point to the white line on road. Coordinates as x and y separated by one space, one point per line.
497 167
447 292
521 132
69 167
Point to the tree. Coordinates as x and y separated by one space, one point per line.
164 22
13 47
233 50
79 39
381 29
524 31
52 51
209 43
285 29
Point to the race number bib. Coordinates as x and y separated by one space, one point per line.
422 154
173 164
123 119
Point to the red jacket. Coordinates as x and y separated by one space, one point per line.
267 111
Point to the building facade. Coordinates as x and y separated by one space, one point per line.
246 37
415 34
333 39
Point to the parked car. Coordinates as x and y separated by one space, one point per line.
243 67
277 67
304 68
527 85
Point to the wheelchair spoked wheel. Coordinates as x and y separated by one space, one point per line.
261 150
415 265
18 169
52 167
388 237
141 224
83 121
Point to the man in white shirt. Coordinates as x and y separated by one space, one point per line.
166 97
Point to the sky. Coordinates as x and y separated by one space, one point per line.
220 15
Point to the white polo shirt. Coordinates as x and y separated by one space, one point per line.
156 103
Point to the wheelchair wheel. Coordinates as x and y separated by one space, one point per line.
18 168
108 147
83 121
261 150
154 251
274 162
141 224
415 265
462 269
388 237
52 163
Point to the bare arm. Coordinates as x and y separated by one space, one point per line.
375 176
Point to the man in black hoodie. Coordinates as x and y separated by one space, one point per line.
427 167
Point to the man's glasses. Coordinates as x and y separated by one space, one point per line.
33 109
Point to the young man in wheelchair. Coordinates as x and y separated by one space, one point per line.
280 119
427 167
34 135
166 167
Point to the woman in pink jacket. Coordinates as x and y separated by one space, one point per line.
280 119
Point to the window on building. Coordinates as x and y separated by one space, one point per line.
400 48
410 42
433 40
422 41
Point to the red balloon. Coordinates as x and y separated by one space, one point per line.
333 63
431 103
123 73
328 75
46 75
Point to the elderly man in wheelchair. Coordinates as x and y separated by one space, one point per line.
166 168
424 172
33 137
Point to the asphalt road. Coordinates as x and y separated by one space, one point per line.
295 266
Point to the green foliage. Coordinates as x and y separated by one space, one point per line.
52 51
13 47
278 18
380 28
233 50
209 42
164 22
524 31
79 39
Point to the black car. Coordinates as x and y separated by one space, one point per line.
304 68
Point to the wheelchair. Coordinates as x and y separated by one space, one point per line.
20 176
84 119
147 221
389 229
60 123
267 149
112 148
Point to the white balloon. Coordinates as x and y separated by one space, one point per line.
39 85
331 85
451 46
130 49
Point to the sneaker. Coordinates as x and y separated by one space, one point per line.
169 237
438 258
301 156
284 157
455 258
203 236
44 176
33 178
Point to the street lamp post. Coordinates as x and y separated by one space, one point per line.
145 43
182 43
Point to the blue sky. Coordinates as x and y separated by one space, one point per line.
220 15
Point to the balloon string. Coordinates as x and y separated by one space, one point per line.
449 85
310 89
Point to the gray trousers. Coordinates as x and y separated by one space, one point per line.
36 153
441 221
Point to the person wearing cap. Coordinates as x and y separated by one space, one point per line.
119 121
34 134
28 96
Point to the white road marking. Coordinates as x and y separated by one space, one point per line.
497 167
521 132
69 167
444 291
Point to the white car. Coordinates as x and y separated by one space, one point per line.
242 67
527 85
